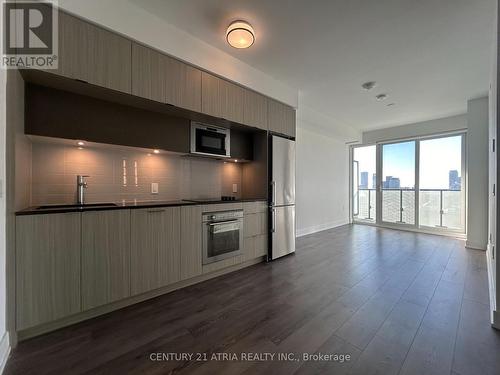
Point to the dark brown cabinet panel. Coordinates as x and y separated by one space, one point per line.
93 55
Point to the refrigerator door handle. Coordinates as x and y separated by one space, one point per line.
273 192
273 229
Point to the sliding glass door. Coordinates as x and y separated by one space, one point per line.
398 184
417 183
442 192
364 202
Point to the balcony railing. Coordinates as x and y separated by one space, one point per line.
441 208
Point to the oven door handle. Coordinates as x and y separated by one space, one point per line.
222 222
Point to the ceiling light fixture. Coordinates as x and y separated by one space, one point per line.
80 143
381 97
156 151
369 85
240 34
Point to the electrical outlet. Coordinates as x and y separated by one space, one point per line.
154 188
235 188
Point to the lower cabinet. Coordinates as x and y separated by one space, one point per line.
191 242
105 257
255 230
155 248
47 268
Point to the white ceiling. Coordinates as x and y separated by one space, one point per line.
429 56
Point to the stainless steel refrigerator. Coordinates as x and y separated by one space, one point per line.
282 197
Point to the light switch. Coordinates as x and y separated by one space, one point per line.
154 188
235 188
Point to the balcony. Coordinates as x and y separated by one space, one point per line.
439 208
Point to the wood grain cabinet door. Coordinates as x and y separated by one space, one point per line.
94 55
47 268
105 257
155 248
148 73
182 85
221 98
161 78
191 242
281 118
255 109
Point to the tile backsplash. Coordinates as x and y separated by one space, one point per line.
126 174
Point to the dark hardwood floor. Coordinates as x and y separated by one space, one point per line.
395 302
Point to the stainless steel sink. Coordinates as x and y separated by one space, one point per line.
55 206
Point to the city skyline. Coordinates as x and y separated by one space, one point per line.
394 182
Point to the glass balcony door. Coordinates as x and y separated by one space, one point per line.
442 193
364 202
398 183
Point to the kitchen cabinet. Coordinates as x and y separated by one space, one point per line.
155 248
254 109
105 257
164 79
47 268
94 55
255 229
221 98
281 118
191 242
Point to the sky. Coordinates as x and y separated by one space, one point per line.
437 158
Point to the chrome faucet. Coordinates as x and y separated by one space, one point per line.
81 184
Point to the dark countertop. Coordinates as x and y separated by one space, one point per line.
35 210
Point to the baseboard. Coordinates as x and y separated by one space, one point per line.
475 246
321 227
4 351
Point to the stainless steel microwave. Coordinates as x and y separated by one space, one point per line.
210 140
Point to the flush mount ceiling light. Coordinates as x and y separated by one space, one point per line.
381 97
156 151
240 34
369 85
80 143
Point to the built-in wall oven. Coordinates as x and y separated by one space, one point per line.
222 235
210 140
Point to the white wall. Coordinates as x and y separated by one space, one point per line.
134 22
322 182
477 178
437 126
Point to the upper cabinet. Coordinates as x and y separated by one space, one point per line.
93 55
161 78
255 109
221 98
281 118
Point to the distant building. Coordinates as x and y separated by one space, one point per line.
374 181
391 183
363 180
454 181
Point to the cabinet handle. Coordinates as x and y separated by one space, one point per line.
157 210
273 229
